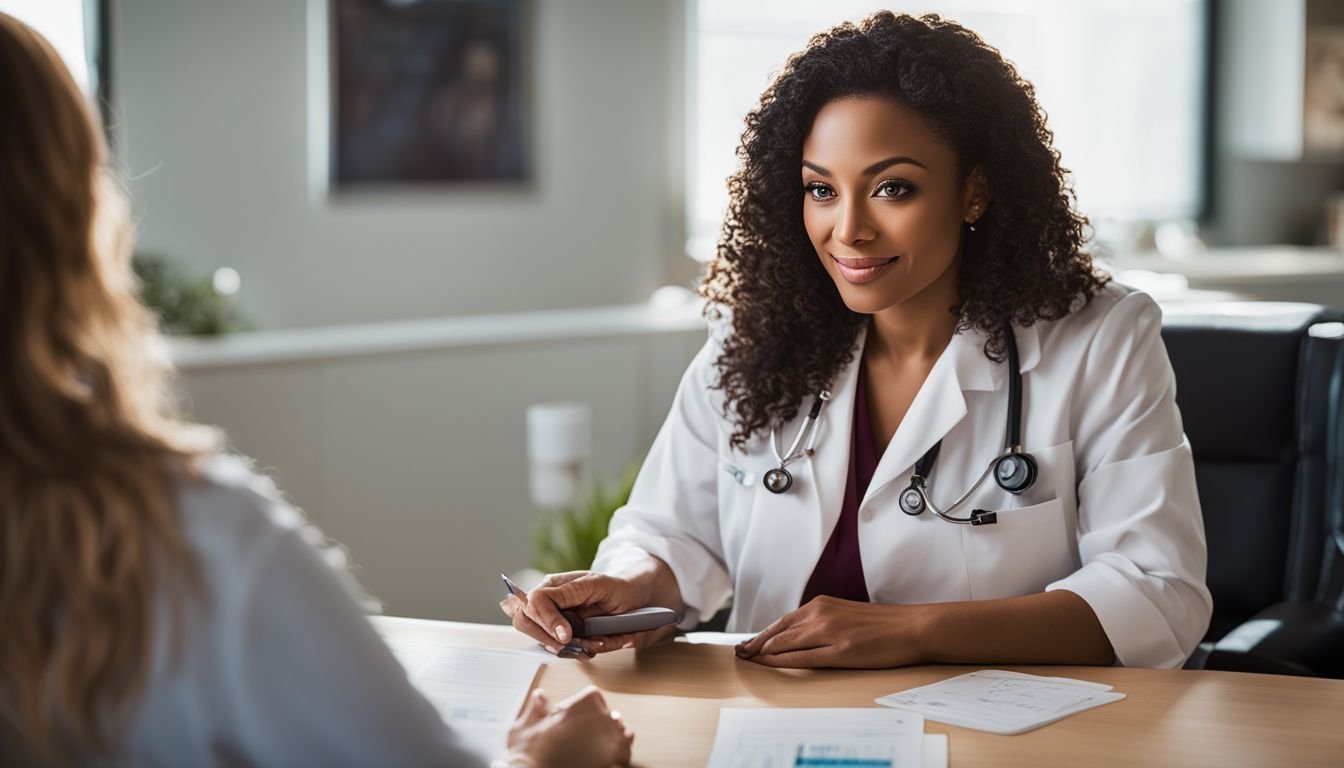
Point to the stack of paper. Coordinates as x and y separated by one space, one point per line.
999 701
824 738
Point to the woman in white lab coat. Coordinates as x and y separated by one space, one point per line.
900 236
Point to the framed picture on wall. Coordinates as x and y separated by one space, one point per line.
429 92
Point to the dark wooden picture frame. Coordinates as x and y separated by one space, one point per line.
429 92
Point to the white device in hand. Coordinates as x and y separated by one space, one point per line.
638 620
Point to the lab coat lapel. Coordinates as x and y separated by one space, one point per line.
939 406
940 403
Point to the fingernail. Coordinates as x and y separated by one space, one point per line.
560 631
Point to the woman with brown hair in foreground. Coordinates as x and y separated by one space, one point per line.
162 604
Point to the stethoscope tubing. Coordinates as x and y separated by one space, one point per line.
779 479
809 428
917 484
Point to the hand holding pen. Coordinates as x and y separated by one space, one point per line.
514 604
589 611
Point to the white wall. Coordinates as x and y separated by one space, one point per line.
211 126
415 459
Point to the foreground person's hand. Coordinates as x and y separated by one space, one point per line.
579 732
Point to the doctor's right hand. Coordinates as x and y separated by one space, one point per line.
587 593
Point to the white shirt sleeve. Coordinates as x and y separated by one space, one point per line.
1140 529
309 681
673 512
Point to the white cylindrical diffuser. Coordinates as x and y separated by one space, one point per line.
559 444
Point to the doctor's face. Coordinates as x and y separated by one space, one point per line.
884 206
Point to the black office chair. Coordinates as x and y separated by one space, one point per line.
1259 388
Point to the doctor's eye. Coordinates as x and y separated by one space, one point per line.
818 191
894 190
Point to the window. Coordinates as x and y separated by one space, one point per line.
1123 85
71 26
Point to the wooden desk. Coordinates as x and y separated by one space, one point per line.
671 695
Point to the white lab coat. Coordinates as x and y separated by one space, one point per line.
1113 515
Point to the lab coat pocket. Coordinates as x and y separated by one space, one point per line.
1027 548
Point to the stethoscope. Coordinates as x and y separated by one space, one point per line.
1014 469
779 479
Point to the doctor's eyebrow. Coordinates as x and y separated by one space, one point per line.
877 167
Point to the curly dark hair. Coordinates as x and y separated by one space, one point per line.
792 332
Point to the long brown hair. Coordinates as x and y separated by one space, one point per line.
89 446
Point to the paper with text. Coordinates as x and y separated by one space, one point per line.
1000 701
817 738
477 692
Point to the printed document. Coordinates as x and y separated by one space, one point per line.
819 738
999 701
477 692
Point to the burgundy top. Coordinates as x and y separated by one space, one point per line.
839 571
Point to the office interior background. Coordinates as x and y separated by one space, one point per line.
397 332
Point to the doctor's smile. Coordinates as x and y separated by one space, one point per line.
860 271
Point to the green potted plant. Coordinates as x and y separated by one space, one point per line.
567 541
185 304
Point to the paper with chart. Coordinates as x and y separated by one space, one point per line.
477 692
817 738
1000 701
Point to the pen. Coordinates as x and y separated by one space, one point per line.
570 651
513 588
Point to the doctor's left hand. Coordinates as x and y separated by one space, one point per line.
830 632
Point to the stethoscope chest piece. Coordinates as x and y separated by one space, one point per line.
1015 472
911 501
778 480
